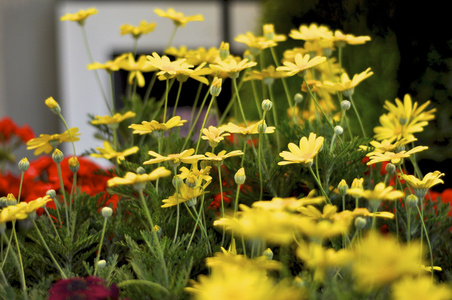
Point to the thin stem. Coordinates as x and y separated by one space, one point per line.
286 88
60 178
317 103
222 201
426 237
172 37
143 282
88 50
48 251
51 222
212 100
275 117
177 207
20 185
195 103
177 97
96 262
234 81
21 265
358 117
166 100
320 185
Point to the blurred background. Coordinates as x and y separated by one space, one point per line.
410 52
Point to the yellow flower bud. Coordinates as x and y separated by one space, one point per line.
106 212
224 50
73 164
269 31
240 176
53 105
266 105
342 187
215 88
24 164
57 156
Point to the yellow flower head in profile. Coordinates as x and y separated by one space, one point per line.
168 68
221 156
46 142
430 179
116 119
340 39
138 179
380 193
312 32
346 84
270 35
231 66
251 129
35 204
13 212
289 204
301 65
137 31
80 16
110 66
109 153
185 156
148 127
185 193
267 75
380 260
178 18
135 68
394 158
254 42
304 153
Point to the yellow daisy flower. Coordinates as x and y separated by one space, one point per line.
231 66
255 42
110 66
302 63
221 156
379 193
214 135
289 204
200 55
267 75
415 287
148 127
178 18
168 68
136 68
407 112
385 146
136 179
80 16
185 156
109 153
194 175
115 119
311 33
304 153
137 31
346 84
394 158
340 39
13 212
185 193
251 129
270 35
46 142
35 204
430 179
392 130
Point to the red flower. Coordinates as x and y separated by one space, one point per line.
8 129
90 288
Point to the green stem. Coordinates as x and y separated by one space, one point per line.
51 222
358 117
88 50
234 81
154 235
48 251
20 186
426 236
172 37
21 265
60 178
317 103
230 104
166 100
275 117
96 262
177 97
177 207
286 88
212 100
195 103
320 185
222 202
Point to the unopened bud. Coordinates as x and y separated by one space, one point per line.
224 50
24 164
53 105
360 223
411 201
51 194
177 182
262 127
57 156
298 98
390 168
348 93
345 105
240 176
74 164
269 31
11 199
101 264
338 130
268 253
192 202
342 187
106 212
215 88
140 171
266 105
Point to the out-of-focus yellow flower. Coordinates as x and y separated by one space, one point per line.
407 112
185 156
136 68
46 142
110 66
109 153
429 180
136 179
240 176
311 33
380 260
289 204
115 119
340 39
231 66
270 35
346 84
200 55
304 153
178 18
51 103
394 158
273 226
251 129
386 146
266 75
13 212
321 229
255 42
302 63
380 193
35 204
137 31
80 16
194 175
418 288
185 193
392 130
320 259
148 127
168 68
